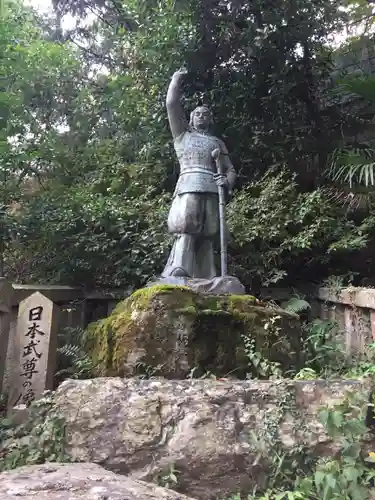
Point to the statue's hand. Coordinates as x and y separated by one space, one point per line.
215 154
180 74
221 180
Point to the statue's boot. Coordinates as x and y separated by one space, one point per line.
178 272
181 259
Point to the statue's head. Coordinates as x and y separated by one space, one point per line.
201 118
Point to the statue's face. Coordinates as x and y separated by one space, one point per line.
202 118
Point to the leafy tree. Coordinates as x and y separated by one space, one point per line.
35 76
101 152
280 233
79 211
108 232
259 66
352 160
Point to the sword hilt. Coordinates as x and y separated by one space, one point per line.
216 154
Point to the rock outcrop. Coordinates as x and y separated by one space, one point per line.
171 330
218 435
77 482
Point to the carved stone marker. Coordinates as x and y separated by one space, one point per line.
36 338
6 293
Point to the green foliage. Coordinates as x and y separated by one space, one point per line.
259 366
347 476
86 153
353 166
297 305
168 479
323 352
145 371
72 360
325 356
350 163
306 374
256 64
87 237
365 366
36 78
277 231
39 439
36 82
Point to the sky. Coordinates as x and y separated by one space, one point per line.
45 6
41 5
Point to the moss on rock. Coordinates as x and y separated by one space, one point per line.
170 330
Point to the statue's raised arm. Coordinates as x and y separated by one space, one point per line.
197 213
176 115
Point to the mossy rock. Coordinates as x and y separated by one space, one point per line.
171 330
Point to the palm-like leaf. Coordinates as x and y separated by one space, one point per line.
352 166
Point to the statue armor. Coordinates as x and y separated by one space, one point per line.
194 150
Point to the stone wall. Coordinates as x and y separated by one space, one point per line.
352 309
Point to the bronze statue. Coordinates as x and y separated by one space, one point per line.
194 214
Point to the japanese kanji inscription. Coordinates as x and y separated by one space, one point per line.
36 334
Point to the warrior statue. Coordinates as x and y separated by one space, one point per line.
194 213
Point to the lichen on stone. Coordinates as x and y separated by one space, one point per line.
144 295
176 330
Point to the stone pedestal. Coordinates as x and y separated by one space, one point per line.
220 285
173 331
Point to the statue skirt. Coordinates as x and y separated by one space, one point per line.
195 214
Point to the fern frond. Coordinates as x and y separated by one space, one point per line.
71 335
70 351
297 305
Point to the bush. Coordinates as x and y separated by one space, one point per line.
280 234
93 234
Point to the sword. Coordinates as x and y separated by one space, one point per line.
217 156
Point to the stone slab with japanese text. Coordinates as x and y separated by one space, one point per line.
36 341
